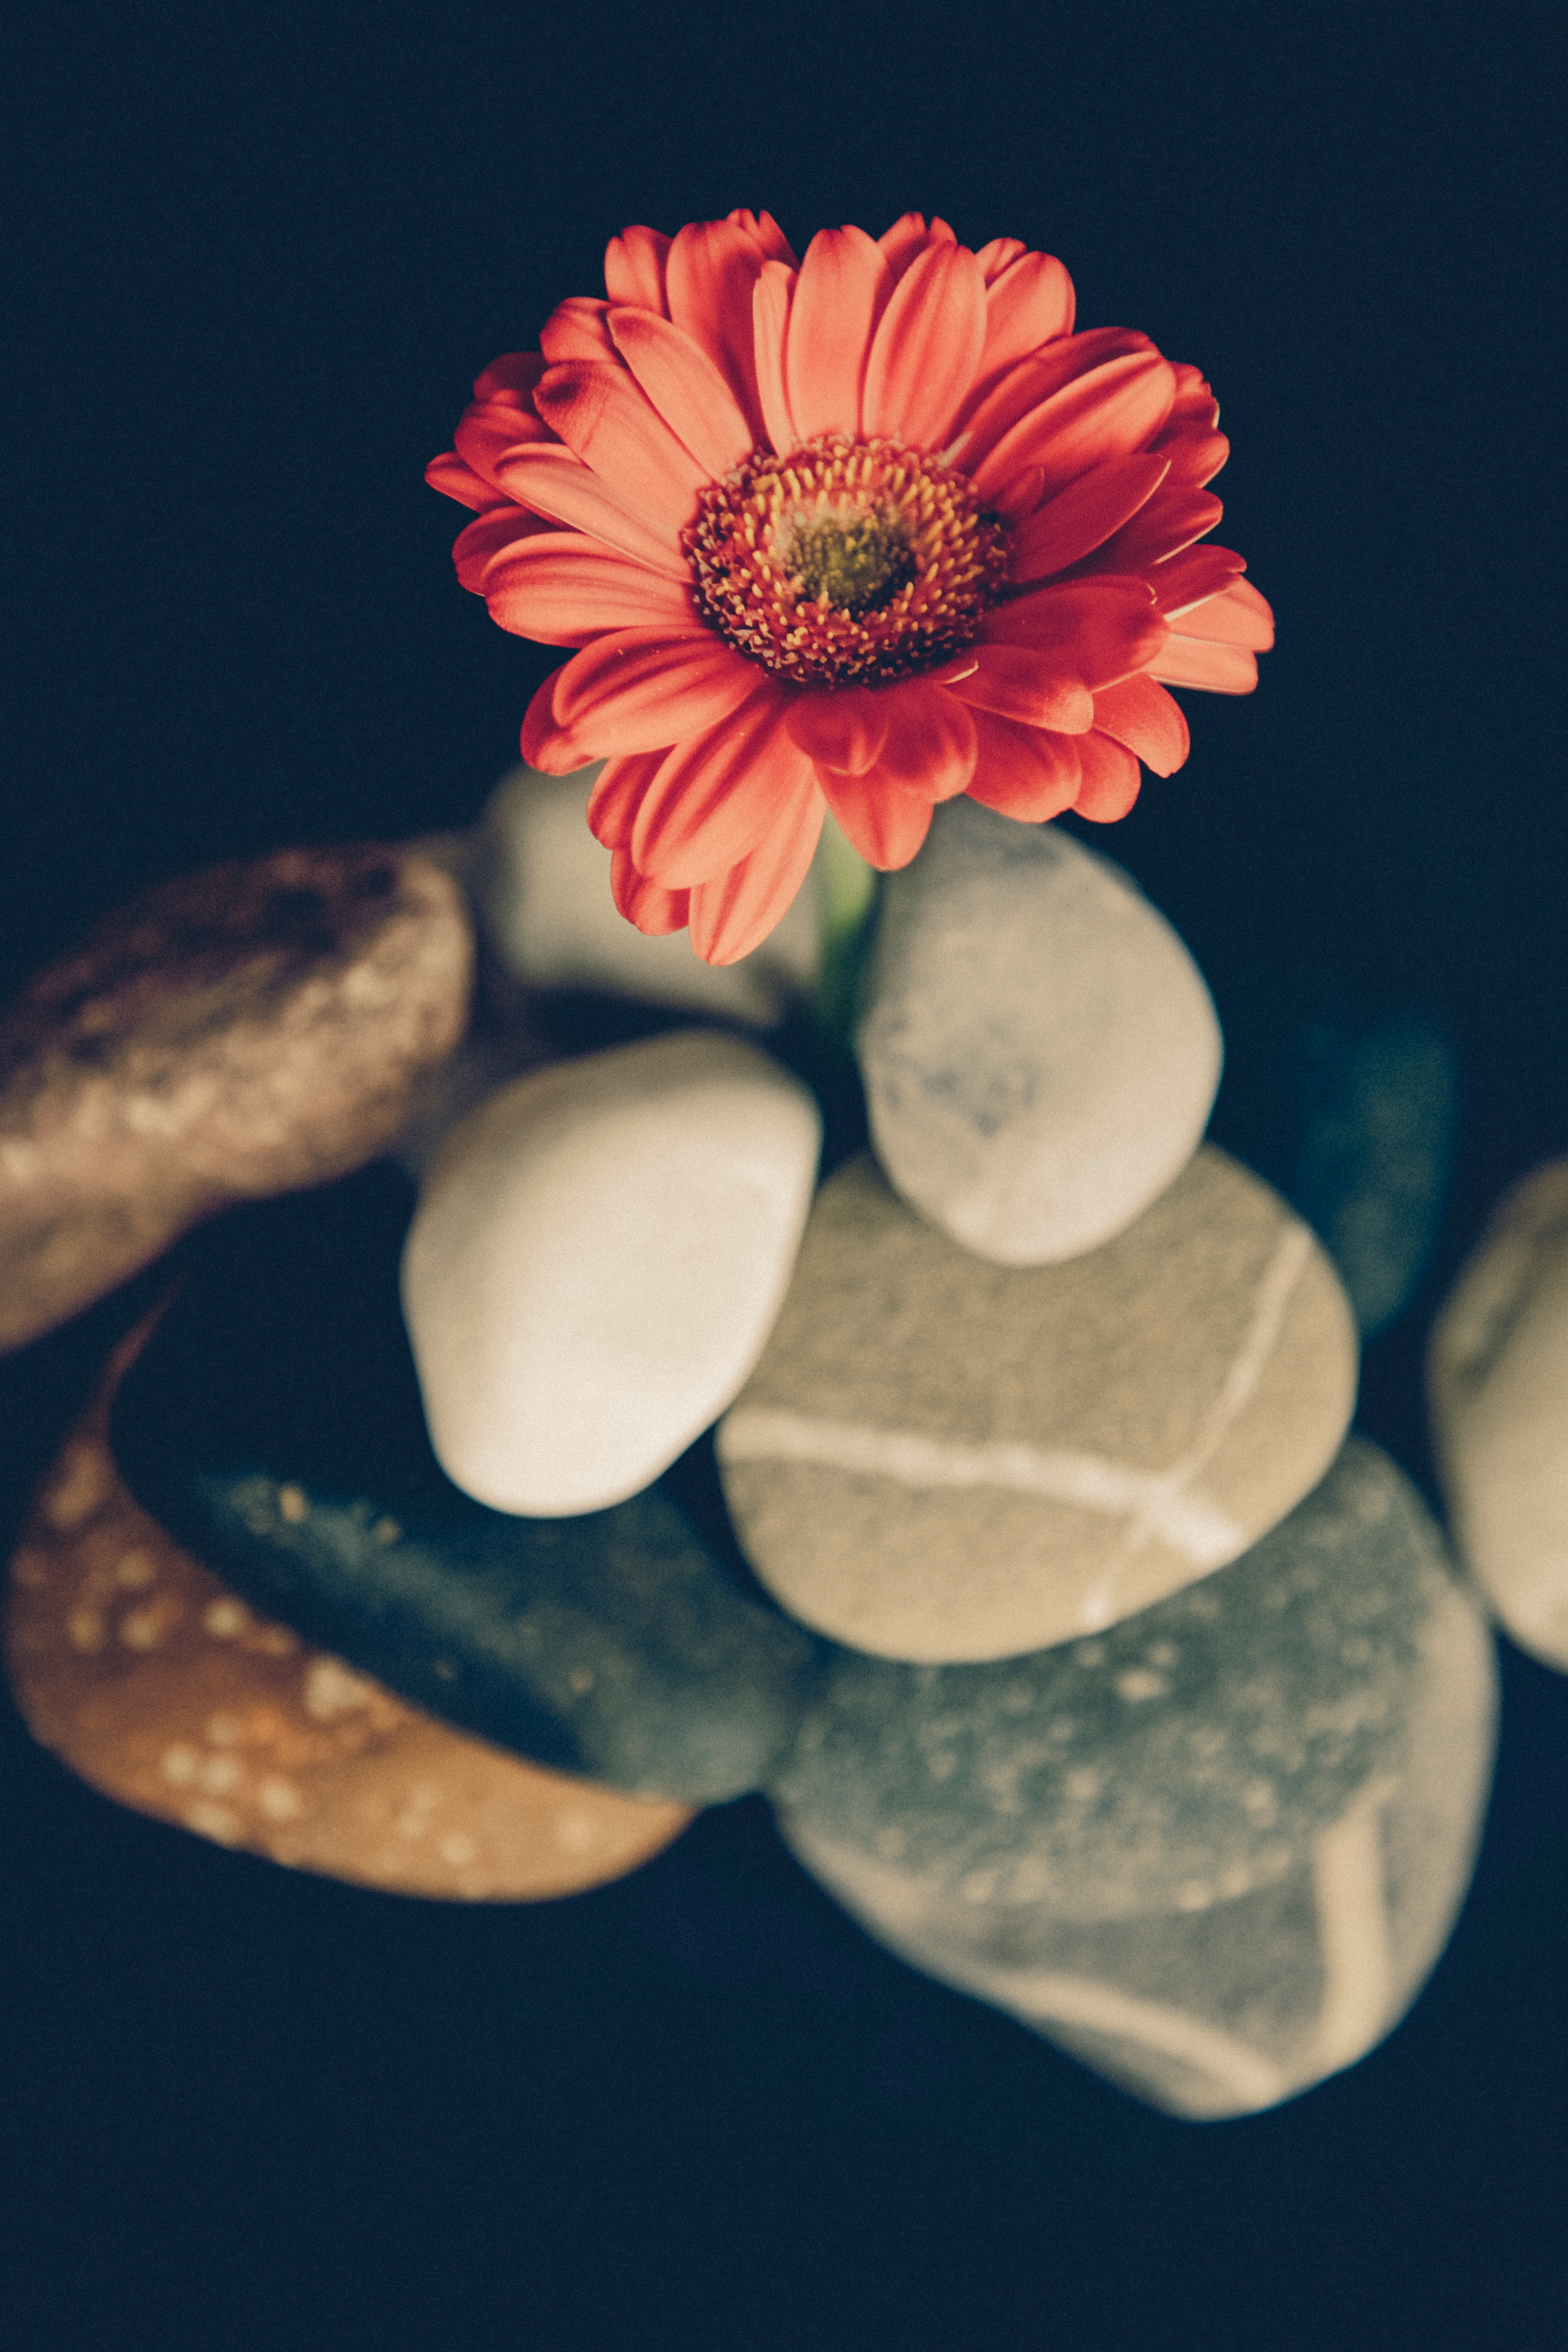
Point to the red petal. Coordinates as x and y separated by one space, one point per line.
1193 577
642 903
1238 616
685 387
1175 515
846 729
1194 404
1094 630
606 419
1108 412
1022 495
842 287
734 912
563 589
478 546
929 748
765 235
489 430
711 269
1028 303
542 742
771 300
1083 516
514 372
577 329
885 825
1197 661
551 481
1018 682
992 409
618 794
1196 457
1143 716
908 238
636 689
633 269
1111 779
926 348
448 475
998 256
716 798
1023 771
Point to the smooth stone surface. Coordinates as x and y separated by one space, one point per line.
1317 1765
941 1459
542 894
273 1425
1379 1111
598 1256
1498 1380
223 1036
153 1681
1039 1050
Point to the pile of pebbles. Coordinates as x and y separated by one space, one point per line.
575 1409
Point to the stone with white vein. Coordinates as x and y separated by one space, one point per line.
941 1459
598 1255
1499 1384
1039 1050
1217 1893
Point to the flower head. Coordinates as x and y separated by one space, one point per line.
858 533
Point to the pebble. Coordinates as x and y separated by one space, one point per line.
158 1685
599 1253
941 1459
227 1036
1217 1852
1498 1380
1039 1051
274 1425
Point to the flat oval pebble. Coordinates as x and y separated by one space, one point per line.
1213 1856
1039 1050
223 1036
599 1254
154 1681
1497 1378
273 1424
941 1459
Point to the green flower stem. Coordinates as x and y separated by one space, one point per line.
847 903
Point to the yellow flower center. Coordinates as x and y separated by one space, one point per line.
847 561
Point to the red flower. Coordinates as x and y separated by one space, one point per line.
860 533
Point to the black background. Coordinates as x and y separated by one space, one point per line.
261 252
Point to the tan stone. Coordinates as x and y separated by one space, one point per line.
251 1030
149 1678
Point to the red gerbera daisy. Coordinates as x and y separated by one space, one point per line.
860 533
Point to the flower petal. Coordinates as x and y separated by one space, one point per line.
1094 630
632 692
1024 771
608 421
1028 303
998 256
734 912
1238 616
651 908
764 233
577 329
1196 457
617 796
846 729
885 825
1022 495
489 430
1083 516
563 589
1018 682
711 269
1110 782
448 473
771 299
1175 517
715 798
844 285
1198 661
929 748
514 372
992 409
1193 577
551 481
1144 718
634 271
1108 412
499 527
685 387
926 348
909 237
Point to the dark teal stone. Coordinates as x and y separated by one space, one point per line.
274 1424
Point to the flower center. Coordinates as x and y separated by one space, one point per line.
847 561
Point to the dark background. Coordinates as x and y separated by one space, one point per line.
261 252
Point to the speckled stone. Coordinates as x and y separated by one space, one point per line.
273 1424
1214 1854
224 1036
941 1459
1498 1379
1040 1052
151 1680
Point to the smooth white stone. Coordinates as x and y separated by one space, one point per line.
545 908
598 1255
1497 1378
1039 1050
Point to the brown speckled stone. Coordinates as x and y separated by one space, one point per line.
251 1030
154 1683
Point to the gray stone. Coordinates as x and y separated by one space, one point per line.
938 1458
1039 1051
1216 1894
